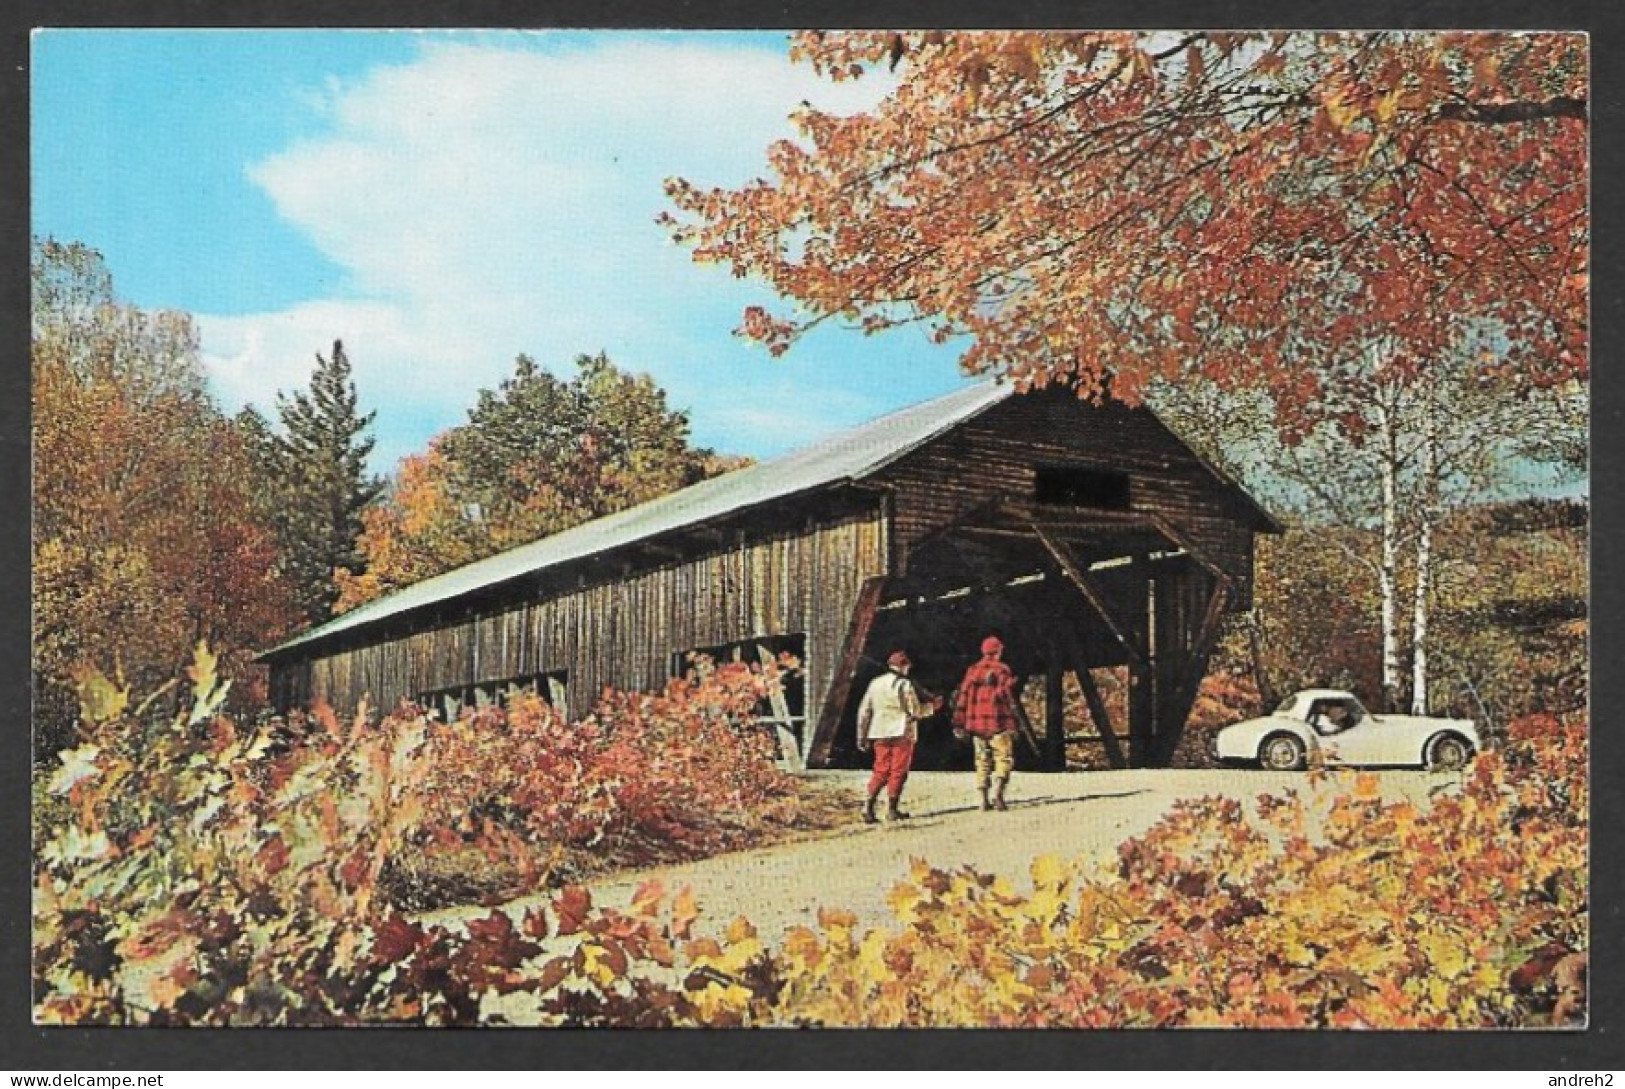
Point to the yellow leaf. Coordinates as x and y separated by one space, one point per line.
836 918
209 691
802 947
1388 105
903 899
1445 953
100 700
1050 872
1438 994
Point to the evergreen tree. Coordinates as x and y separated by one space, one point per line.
538 455
319 481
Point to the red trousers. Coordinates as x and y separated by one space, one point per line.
893 755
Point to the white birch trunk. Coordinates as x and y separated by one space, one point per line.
1388 570
1424 558
1419 616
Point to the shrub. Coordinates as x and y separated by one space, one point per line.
195 871
199 878
680 773
1331 909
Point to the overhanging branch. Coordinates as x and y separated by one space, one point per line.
1514 113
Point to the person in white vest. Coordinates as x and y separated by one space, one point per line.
887 723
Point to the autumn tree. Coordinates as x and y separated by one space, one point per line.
313 471
538 455
1325 219
146 538
1102 208
1388 460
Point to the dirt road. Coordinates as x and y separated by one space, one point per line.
1080 814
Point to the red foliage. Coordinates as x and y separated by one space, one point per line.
1106 208
677 773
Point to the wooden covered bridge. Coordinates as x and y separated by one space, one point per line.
1086 536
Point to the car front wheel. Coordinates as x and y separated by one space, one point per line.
1448 753
1282 752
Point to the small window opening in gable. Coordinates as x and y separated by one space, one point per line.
1066 486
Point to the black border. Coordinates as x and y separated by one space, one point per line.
24 1047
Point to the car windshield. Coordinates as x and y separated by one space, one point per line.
1287 704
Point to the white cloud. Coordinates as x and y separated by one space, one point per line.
490 199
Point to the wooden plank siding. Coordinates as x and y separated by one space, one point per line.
622 632
957 514
997 454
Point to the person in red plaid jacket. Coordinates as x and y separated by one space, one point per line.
985 708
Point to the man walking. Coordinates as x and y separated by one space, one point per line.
985 708
886 722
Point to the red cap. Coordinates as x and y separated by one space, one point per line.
898 660
992 645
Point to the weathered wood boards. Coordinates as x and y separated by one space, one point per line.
1090 529
624 632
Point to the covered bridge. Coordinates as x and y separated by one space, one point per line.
1087 536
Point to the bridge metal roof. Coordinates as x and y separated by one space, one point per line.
846 457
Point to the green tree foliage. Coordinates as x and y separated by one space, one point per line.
538 455
314 474
146 536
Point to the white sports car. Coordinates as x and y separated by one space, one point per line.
1331 727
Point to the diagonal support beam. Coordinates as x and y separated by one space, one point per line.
1193 668
1183 541
1097 711
1207 634
1202 644
846 668
1095 594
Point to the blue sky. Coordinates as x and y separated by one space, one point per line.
441 202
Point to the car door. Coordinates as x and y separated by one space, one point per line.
1365 741
1360 742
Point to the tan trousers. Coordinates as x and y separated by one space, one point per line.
995 757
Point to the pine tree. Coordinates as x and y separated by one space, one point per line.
538 455
320 482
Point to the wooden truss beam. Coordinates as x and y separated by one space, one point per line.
840 685
1097 711
1095 594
